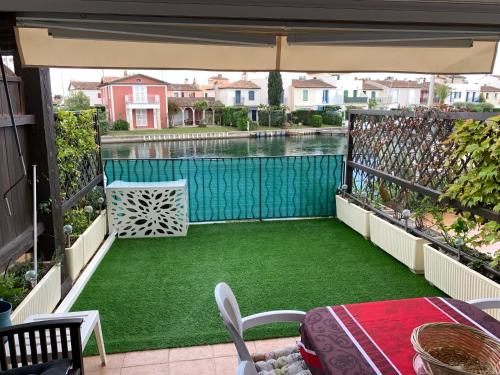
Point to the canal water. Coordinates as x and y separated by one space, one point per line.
235 147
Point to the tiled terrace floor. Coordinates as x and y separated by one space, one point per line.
196 360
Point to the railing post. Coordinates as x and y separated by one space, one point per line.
348 169
260 189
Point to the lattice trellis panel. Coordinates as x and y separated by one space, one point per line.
410 147
148 209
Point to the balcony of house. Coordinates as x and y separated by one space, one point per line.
146 102
239 101
355 99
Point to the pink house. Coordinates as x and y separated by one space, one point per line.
139 99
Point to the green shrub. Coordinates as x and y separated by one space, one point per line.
303 116
230 115
331 118
121 125
241 123
79 220
104 127
277 118
316 121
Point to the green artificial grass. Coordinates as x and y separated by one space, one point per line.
159 293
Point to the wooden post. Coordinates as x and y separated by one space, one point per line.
43 151
348 171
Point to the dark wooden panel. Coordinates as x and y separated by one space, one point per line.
19 119
7 227
18 246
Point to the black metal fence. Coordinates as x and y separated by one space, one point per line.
244 188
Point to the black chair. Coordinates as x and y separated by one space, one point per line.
49 347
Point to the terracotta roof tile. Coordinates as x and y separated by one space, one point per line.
182 87
399 84
241 84
370 85
487 88
189 102
310 84
84 85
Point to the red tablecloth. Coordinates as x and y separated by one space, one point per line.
374 337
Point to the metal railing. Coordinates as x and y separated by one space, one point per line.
355 99
244 188
150 99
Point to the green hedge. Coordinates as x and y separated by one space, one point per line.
276 118
120 125
331 118
230 115
316 120
475 107
305 116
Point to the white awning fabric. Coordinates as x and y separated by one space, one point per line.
89 50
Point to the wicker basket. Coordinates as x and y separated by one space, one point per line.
450 349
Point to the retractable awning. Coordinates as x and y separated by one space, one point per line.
316 36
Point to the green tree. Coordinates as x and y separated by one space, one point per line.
173 109
77 101
372 103
442 92
274 89
482 99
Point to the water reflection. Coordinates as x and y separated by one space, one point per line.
240 147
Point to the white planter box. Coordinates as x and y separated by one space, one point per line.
457 280
403 246
82 250
354 216
43 298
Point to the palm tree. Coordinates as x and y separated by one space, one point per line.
442 92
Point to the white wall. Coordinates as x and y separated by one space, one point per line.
227 97
92 95
315 98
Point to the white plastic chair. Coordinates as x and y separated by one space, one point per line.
246 368
236 325
485 303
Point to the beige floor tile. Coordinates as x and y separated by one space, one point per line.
190 353
103 371
149 357
146 370
94 362
226 365
272 344
198 367
224 350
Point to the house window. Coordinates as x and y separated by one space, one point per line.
325 96
192 94
487 95
251 95
305 95
99 95
346 93
140 95
355 93
141 118
373 94
182 94
206 95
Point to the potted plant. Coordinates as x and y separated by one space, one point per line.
85 229
355 216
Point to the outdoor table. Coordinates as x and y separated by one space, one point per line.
374 337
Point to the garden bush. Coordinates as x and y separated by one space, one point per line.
230 115
303 116
121 125
331 118
316 121
277 118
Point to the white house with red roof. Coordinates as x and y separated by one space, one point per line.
139 99
90 89
312 93
239 93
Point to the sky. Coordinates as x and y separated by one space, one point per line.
60 78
